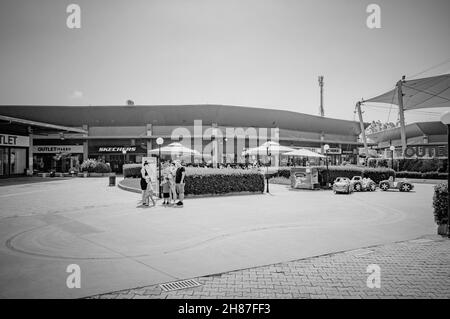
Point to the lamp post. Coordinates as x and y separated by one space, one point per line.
445 118
124 152
392 148
267 168
326 147
159 141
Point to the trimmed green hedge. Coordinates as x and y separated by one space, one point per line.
440 203
428 175
94 166
132 170
376 174
200 181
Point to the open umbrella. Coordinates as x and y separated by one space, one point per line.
274 149
304 152
174 149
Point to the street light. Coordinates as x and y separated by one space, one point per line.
392 148
267 167
326 147
445 118
124 152
159 141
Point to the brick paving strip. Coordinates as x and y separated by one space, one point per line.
412 269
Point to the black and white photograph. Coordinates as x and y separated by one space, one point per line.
249 151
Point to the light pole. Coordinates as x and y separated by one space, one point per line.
267 168
326 147
392 148
159 141
124 152
445 118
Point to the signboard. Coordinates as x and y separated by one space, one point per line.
14 140
334 151
54 149
426 151
116 149
153 171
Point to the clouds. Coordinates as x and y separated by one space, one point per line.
76 95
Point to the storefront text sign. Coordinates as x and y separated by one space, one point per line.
427 151
117 149
53 149
334 150
14 140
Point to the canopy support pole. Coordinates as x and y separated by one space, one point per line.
363 132
402 115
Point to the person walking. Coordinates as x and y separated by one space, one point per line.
171 175
179 182
144 174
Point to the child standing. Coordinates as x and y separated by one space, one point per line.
166 190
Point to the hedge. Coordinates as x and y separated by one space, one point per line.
94 166
132 170
440 203
428 175
201 181
376 174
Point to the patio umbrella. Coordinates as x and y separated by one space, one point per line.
274 149
304 152
204 156
175 149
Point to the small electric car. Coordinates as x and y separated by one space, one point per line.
403 185
363 184
342 185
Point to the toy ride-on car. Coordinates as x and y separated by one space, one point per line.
342 185
363 184
402 186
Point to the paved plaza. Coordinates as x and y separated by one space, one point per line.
44 227
412 269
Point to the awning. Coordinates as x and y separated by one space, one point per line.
420 93
41 125
304 153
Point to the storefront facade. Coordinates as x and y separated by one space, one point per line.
13 154
425 140
124 134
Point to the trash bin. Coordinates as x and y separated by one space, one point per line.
112 180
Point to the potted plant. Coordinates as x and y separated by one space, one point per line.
440 205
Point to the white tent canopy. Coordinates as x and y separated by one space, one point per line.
274 148
304 152
420 93
175 149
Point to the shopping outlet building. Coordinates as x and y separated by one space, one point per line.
61 137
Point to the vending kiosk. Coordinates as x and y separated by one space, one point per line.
305 178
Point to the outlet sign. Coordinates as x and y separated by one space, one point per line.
426 151
55 149
14 140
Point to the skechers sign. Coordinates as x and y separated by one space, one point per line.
117 149
428 151
14 140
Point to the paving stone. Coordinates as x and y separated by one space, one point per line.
418 269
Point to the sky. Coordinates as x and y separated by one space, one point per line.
257 53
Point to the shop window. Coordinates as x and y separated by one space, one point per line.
18 160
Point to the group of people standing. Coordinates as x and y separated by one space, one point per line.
172 184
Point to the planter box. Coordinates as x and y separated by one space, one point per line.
442 230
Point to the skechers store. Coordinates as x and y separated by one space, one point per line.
13 154
117 152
